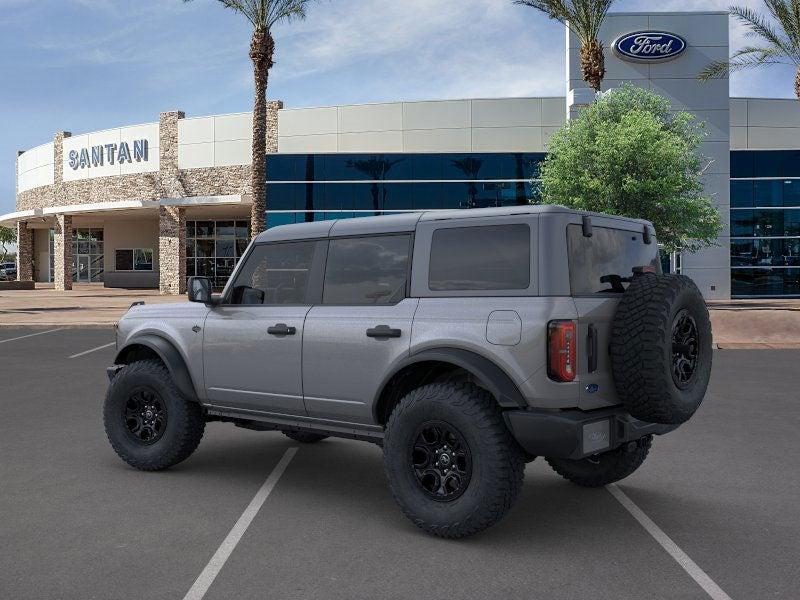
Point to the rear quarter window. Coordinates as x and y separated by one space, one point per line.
490 257
608 252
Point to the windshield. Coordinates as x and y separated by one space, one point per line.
604 263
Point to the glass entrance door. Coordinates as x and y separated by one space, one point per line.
87 255
83 268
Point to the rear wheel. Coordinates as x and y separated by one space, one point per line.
304 437
150 424
451 463
605 468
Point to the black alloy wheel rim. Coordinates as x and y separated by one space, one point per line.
441 461
685 348
145 416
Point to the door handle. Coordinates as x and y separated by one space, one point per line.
281 329
383 331
591 345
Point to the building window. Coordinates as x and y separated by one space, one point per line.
765 223
317 187
133 259
52 243
214 247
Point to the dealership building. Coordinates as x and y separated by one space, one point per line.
145 206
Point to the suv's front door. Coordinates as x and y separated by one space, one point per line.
252 344
361 328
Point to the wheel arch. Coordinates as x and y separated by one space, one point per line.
150 345
426 366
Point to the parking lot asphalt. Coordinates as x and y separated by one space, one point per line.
76 522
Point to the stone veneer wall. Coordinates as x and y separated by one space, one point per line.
62 250
24 252
171 249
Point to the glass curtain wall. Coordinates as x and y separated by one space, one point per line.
314 187
765 223
214 247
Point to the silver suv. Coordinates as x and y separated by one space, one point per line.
465 343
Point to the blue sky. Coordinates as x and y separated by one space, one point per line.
84 65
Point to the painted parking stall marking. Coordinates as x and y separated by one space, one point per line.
85 352
688 565
22 337
206 578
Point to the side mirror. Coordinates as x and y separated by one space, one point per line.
199 289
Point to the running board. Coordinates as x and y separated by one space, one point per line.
251 419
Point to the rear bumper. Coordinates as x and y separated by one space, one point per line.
576 434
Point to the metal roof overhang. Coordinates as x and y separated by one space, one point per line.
13 218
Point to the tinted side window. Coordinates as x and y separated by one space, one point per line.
493 257
368 270
608 252
275 274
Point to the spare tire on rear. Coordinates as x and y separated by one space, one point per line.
661 348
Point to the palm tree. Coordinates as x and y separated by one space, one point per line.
262 15
584 19
780 42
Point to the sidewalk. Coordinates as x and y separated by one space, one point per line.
766 324
87 305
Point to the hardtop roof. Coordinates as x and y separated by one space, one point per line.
407 222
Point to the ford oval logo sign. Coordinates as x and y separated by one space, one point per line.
649 46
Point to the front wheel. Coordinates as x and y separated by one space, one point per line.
149 423
605 468
452 464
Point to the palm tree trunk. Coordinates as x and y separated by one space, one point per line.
262 48
797 84
593 64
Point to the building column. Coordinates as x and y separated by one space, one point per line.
171 250
169 175
24 252
62 251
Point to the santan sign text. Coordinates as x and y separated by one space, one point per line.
97 156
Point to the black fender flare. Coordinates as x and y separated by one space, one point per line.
495 379
170 356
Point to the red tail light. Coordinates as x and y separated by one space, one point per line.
561 350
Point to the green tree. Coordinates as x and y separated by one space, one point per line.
584 19
778 37
8 236
628 155
263 15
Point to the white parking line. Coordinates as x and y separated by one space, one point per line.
22 337
85 352
695 572
206 578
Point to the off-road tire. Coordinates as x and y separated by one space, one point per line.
642 348
184 427
498 463
600 470
304 437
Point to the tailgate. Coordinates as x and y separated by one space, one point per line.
595 315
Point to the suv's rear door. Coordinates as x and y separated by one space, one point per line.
362 326
252 344
609 249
